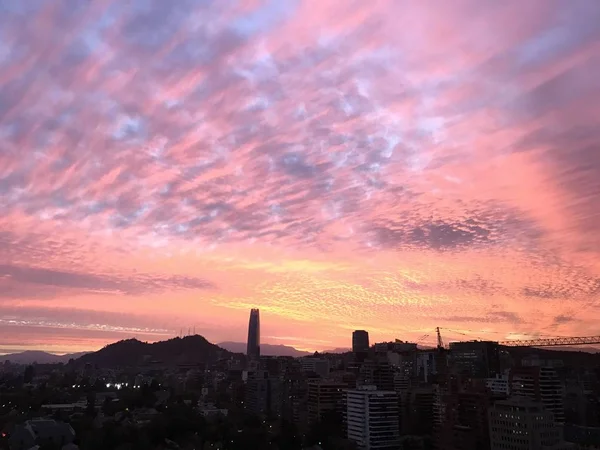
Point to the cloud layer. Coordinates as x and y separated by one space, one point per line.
384 165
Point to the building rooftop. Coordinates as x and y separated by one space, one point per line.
520 403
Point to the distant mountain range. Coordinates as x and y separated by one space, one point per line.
276 349
33 356
190 349
265 349
196 349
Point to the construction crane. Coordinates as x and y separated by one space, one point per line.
552 342
422 338
440 343
543 342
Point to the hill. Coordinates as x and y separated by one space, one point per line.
131 352
33 356
265 349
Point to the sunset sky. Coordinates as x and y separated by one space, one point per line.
385 165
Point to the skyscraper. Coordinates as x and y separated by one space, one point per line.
253 351
360 341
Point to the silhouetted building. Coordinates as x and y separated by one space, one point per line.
476 359
360 341
540 384
404 360
378 373
253 351
324 396
295 399
464 425
320 366
417 415
522 424
372 418
263 394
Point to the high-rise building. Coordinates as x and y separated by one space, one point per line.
360 341
417 414
323 397
263 394
540 384
294 399
253 351
522 424
464 424
378 373
476 359
372 418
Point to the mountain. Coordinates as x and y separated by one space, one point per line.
131 352
33 356
338 350
265 349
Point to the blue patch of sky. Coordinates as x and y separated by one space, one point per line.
96 207
264 18
20 7
543 47
128 127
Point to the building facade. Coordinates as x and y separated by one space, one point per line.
263 394
320 366
540 384
372 418
498 386
522 424
324 397
476 359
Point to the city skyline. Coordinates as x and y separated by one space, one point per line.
387 166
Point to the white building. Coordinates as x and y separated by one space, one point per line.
426 365
522 424
372 418
499 385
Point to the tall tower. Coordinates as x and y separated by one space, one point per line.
253 351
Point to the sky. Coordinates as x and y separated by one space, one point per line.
393 166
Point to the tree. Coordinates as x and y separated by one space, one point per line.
91 403
28 375
326 431
289 436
